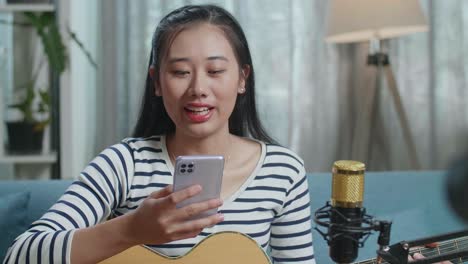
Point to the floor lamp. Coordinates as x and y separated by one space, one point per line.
372 21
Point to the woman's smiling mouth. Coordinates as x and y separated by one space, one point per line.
198 113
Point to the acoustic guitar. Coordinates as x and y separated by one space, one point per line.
223 247
435 250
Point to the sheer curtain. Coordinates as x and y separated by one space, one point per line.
309 91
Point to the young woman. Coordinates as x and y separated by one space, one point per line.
199 100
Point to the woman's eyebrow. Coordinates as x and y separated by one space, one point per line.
176 59
185 59
217 58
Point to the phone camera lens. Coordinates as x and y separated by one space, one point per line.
189 170
184 165
190 165
182 170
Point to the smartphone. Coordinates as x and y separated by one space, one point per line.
204 170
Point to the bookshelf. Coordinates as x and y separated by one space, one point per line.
27 165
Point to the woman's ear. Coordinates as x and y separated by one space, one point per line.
244 75
157 88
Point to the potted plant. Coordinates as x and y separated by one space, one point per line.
25 133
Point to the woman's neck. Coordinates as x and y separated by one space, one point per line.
178 145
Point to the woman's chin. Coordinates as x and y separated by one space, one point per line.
202 130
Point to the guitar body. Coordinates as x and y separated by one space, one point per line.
223 247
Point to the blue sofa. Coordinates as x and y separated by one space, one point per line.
414 201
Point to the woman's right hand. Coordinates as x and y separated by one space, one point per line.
158 221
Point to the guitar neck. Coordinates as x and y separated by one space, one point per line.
442 248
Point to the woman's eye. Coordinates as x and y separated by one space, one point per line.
216 71
181 73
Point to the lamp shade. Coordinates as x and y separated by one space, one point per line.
362 20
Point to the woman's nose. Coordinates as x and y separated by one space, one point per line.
198 86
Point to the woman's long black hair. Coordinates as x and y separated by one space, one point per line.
153 119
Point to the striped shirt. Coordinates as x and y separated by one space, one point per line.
272 206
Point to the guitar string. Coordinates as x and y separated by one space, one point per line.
450 246
444 246
458 248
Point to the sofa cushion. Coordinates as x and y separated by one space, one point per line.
13 209
43 194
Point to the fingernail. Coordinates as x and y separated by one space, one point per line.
221 217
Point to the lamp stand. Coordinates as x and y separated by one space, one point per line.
367 116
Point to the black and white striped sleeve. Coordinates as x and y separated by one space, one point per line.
291 235
101 187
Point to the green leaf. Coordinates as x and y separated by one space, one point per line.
51 39
44 104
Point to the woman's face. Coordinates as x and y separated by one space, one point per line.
199 80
